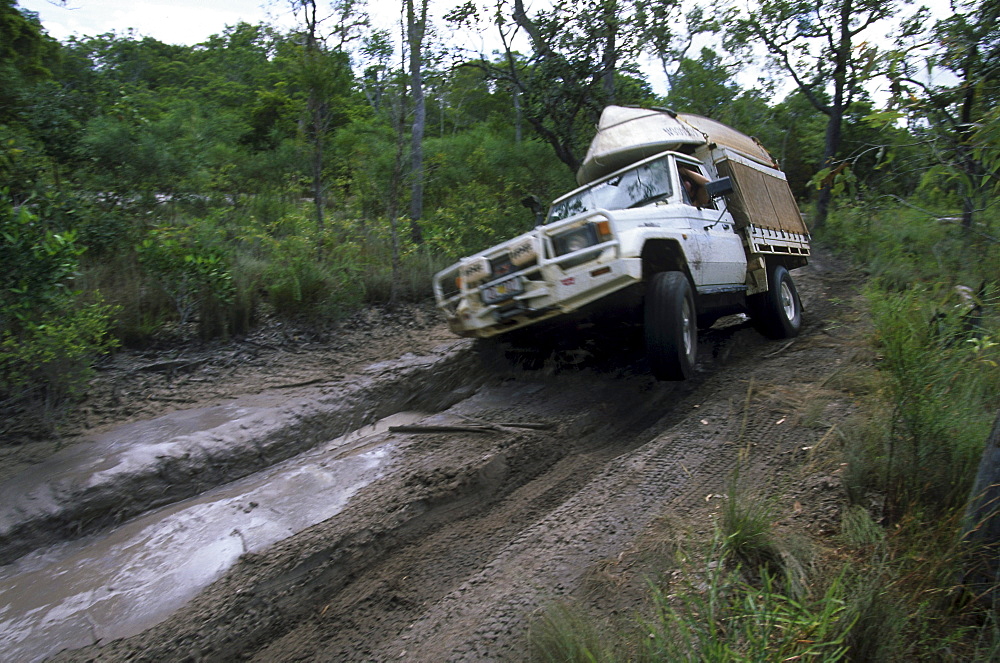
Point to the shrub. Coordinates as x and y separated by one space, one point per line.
941 384
52 356
47 338
302 283
191 272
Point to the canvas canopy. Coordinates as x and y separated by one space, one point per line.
761 197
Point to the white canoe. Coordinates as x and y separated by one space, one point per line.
626 135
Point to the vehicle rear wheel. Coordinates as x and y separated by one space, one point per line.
671 327
777 313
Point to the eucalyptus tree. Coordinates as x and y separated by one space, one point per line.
703 86
829 50
578 54
671 29
325 30
961 111
416 31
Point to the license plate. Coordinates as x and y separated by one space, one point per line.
498 292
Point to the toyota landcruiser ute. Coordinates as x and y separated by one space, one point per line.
679 220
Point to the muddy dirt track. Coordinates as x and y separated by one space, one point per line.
504 491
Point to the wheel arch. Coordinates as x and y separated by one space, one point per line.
664 255
788 262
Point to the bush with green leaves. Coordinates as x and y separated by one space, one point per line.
940 380
303 282
191 271
48 336
52 357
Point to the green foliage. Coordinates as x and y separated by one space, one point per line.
943 384
793 132
52 355
938 361
301 282
902 246
26 56
712 616
731 621
912 453
703 86
36 265
986 149
190 271
48 339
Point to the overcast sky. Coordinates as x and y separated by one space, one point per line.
171 21
193 21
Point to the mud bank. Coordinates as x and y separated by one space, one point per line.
112 477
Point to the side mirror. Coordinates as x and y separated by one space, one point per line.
720 187
535 205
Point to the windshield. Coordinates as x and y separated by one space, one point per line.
639 186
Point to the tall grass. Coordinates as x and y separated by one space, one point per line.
940 386
712 614
274 261
564 633
901 246
732 621
937 377
912 453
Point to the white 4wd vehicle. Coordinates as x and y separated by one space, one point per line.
681 220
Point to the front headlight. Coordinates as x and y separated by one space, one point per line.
575 239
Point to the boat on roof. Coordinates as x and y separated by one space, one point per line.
627 134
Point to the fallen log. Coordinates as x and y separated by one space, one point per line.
443 429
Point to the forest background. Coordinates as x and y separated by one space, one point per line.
158 194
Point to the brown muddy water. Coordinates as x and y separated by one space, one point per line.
121 582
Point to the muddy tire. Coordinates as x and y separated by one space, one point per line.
671 328
777 313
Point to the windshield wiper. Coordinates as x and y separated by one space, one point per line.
650 199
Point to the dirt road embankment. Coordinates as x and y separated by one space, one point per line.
504 491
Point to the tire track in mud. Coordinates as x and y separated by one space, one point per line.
390 596
337 570
486 617
449 555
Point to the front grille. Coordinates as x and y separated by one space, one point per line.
501 266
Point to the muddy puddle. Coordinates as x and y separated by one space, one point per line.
119 583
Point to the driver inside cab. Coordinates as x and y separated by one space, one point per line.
694 183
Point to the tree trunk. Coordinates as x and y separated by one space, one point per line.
318 131
518 132
392 208
610 55
831 145
834 126
415 30
981 529
316 108
965 129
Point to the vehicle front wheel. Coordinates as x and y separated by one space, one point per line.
671 326
777 313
